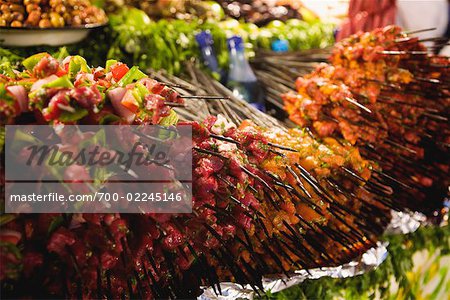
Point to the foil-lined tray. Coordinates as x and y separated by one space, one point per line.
405 222
401 223
368 261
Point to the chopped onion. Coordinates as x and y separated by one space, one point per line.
21 96
116 96
41 82
11 236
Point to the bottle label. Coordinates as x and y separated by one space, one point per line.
258 106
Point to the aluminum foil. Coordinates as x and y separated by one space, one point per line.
401 223
405 222
368 261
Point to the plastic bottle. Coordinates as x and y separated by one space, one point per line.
205 42
241 79
280 46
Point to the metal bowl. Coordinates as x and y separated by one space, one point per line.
35 36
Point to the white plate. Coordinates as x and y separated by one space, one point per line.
27 36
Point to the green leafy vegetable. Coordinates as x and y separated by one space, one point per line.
73 116
171 119
396 268
12 271
6 218
108 119
61 54
22 139
136 40
7 69
61 82
132 75
10 57
77 64
142 90
168 43
109 63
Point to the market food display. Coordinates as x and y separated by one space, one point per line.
167 43
46 14
178 9
258 207
380 94
135 38
342 146
261 12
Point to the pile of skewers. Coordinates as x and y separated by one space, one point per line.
266 200
383 93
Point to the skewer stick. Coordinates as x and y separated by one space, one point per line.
261 265
108 284
275 258
223 138
394 52
433 39
174 104
393 179
311 204
257 212
346 244
405 39
174 85
99 283
140 288
325 196
274 241
281 147
154 286
294 233
299 247
66 108
429 80
383 99
395 144
386 190
436 117
296 253
419 30
211 275
174 285
297 179
354 102
205 151
205 97
228 258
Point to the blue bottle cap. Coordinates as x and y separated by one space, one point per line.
235 42
204 39
280 46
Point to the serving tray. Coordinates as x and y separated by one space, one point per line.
34 36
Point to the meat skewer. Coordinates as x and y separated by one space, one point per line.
409 103
261 202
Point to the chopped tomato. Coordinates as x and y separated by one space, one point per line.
61 72
53 111
130 102
103 82
119 70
